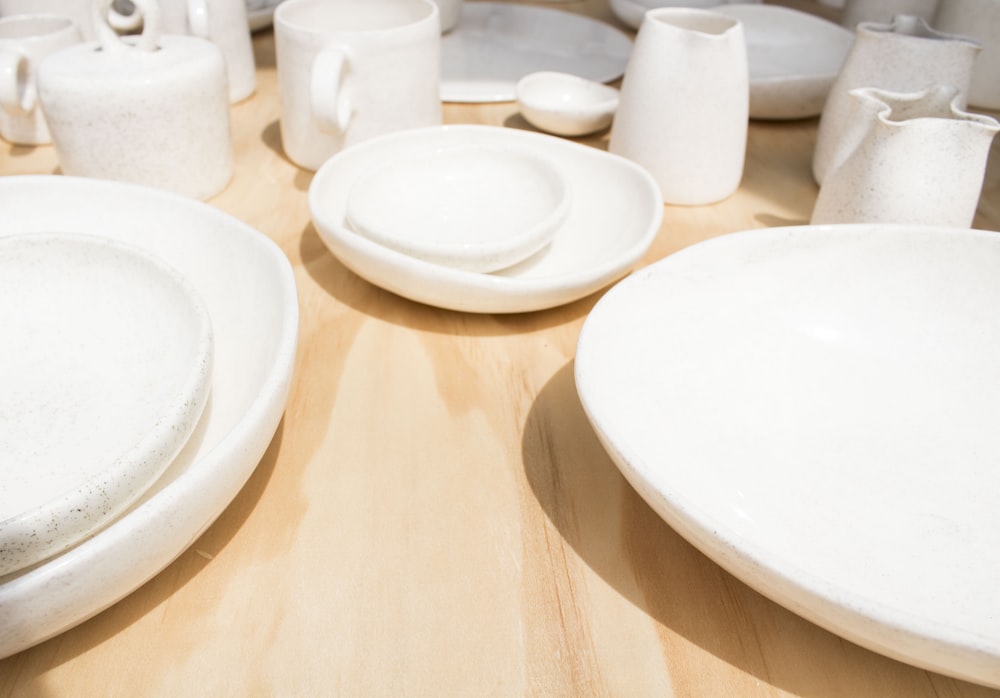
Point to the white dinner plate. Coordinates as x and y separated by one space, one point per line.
248 287
816 409
105 368
615 214
496 44
793 58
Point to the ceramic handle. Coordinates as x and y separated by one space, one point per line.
17 85
104 23
330 89
198 18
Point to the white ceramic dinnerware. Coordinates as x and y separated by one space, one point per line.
106 364
348 71
857 11
151 109
80 11
24 41
684 104
793 58
496 44
631 12
248 287
449 12
980 20
566 105
615 214
473 207
815 409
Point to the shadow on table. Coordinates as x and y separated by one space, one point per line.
617 535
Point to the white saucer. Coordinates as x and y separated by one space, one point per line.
793 57
816 408
106 364
247 285
496 44
615 215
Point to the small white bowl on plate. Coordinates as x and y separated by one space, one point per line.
564 104
476 207
631 12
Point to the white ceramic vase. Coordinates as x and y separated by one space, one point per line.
979 19
914 157
905 55
684 104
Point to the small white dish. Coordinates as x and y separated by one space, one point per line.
496 44
815 409
793 58
631 12
106 364
615 214
473 207
564 104
248 286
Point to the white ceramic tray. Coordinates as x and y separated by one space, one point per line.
616 212
105 367
247 285
816 409
793 58
496 44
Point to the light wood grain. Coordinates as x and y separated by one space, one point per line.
436 518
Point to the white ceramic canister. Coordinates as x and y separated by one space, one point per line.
914 157
684 104
905 55
148 109
25 40
979 19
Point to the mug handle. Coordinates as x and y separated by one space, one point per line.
17 86
149 40
329 89
197 12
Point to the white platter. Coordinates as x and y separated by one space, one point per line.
247 285
616 212
816 409
496 44
793 58
105 367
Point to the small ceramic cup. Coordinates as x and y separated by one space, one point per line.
147 109
24 41
349 70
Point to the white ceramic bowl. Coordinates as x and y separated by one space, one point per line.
564 104
475 207
631 12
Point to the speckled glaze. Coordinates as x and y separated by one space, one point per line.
687 126
917 158
152 111
106 363
979 19
24 41
905 55
348 71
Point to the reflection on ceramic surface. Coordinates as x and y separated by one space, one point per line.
793 58
815 409
631 12
615 214
106 363
497 44
248 287
566 105
478 208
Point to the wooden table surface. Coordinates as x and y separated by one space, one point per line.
435 517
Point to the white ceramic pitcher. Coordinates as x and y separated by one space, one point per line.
905 55
914 157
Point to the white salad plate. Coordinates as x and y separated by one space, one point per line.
615 215
496 44
106 364
631 12
815 408
793 58
472 207
246 283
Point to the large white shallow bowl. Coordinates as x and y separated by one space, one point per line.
615 213
816 409
247 285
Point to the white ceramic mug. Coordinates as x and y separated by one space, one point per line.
684 104
24 41
147 109
349 70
